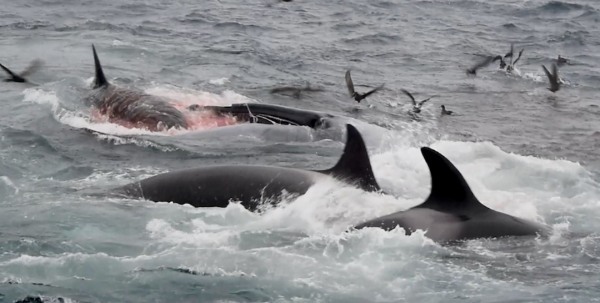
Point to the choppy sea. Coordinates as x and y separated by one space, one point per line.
524 150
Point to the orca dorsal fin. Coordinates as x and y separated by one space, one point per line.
354 164
449 189
99 80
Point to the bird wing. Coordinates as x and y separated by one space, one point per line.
410 96
519 56
423 102
349 83
547 72
555 80
551 78
510 53
7 70
33 66
372 91
485 62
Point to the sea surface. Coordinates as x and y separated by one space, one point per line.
524 150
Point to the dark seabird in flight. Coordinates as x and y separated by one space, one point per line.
511 65
416 105
552 78
506 56
445 112
502 63
510 53
483 63
518 57
357 96
33 66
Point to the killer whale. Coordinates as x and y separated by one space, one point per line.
132 107
452 212
216 186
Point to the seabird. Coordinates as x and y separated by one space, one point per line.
506 56
510 53
552 78
502 63
416 105
33 66
357 96
483 63
445 112
511 65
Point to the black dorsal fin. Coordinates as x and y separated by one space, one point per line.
449 190
354 164
100 80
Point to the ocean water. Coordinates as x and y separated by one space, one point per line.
524 150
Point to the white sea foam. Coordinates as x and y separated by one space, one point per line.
305 245
218 81
109 131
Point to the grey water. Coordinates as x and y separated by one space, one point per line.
524 150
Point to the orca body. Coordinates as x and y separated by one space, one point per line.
216 186
131 107
452 212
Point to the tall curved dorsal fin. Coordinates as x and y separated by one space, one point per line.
449 190
354 164
99 80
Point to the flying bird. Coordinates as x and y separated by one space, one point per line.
506 56
416 105
552 78
33 66
510 53
512 63
357 96
518 56
483 63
